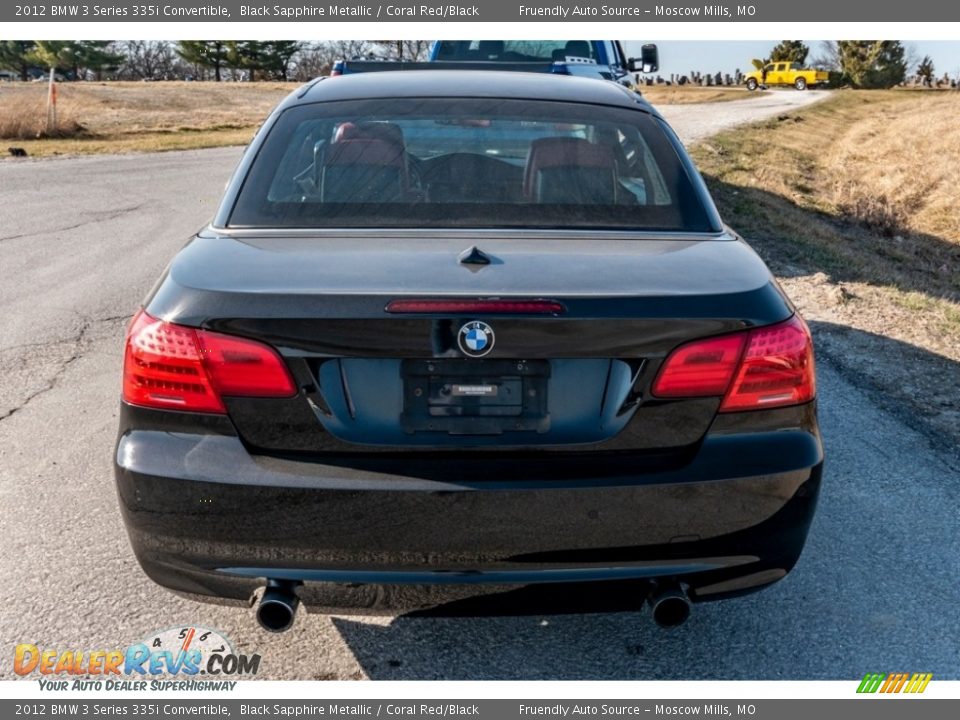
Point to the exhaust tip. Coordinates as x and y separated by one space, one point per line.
277 608
670 608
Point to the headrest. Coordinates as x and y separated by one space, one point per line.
551 152
577 48
365 151
372 130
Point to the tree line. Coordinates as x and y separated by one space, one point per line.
216 60
857 63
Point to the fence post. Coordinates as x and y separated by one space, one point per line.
52 103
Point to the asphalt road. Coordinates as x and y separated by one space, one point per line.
82 241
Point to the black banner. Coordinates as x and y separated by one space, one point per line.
483 11
875 709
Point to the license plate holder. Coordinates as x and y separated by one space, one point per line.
475 397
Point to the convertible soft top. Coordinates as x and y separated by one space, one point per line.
467 84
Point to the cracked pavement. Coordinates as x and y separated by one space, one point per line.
82 241
86 238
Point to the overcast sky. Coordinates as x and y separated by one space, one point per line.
683 56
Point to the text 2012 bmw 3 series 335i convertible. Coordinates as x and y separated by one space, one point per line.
467 342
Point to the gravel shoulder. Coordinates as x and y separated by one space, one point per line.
696 121
852 204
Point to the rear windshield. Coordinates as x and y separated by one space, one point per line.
468 163
516 50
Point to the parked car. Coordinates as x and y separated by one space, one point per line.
600 59
467 343
786 73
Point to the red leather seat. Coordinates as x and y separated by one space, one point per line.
388 132
367 162
570 170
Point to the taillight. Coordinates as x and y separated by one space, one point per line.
765 367
182 368
701 368
776 369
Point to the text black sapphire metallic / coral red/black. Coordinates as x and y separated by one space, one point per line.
467 342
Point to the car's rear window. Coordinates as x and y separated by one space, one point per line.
468 163
515 50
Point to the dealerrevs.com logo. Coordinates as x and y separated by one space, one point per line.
170 659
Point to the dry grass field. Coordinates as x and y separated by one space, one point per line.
687 94
862 187
137 117
119 117
855 204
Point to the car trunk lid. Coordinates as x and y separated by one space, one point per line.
370 379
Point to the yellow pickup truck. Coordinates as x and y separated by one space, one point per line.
786 73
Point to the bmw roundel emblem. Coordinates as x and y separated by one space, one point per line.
475 338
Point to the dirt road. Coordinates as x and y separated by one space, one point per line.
694 122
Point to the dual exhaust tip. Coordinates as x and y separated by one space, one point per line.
279 603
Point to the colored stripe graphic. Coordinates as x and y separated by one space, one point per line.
894 683
870 683
918 683
889 682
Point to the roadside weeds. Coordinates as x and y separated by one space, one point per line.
123 117
852 203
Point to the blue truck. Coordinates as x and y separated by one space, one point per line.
601 59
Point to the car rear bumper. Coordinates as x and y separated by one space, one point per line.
207 518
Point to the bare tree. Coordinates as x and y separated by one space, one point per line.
828 56
407 50
318 58
911 56
416 50
151 60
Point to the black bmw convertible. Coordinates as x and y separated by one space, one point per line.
464 343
